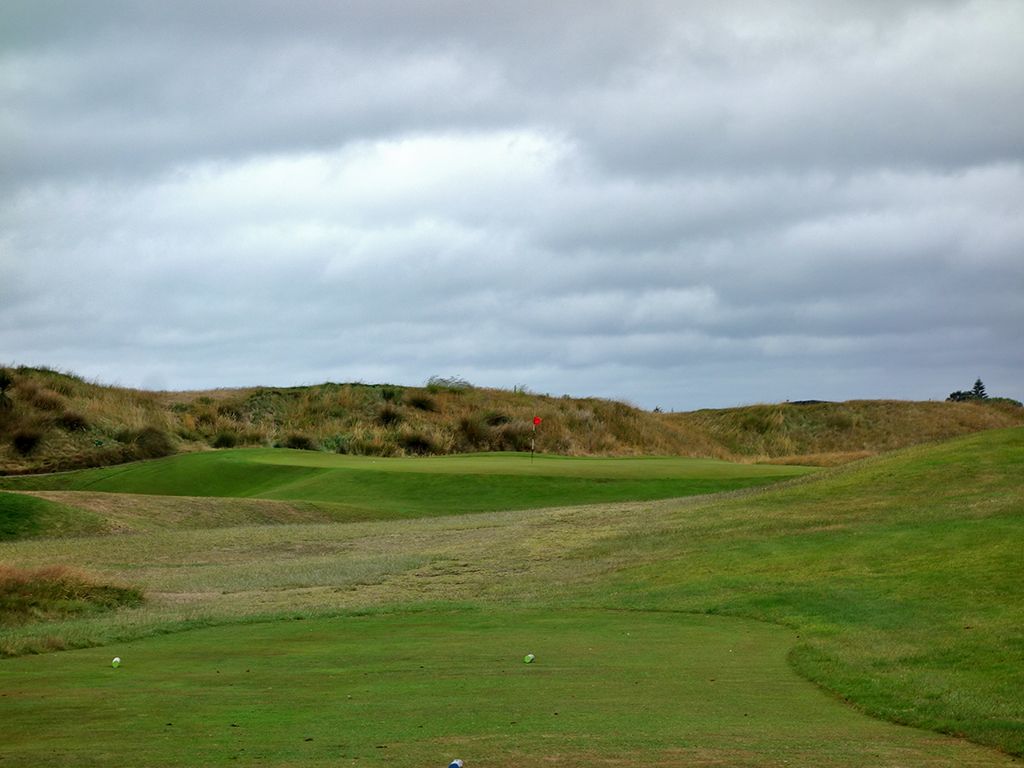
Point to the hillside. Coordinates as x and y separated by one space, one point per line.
835 433
56 421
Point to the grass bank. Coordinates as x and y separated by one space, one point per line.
351 488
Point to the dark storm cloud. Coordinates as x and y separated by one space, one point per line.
675 203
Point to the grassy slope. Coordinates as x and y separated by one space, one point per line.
360 488
25 516
902 575
418 689
70 423
833 433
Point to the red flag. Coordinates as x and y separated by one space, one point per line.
536 420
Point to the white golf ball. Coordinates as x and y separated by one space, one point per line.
116 662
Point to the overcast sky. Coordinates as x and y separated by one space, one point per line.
678 204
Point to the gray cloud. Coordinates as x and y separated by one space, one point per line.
679 204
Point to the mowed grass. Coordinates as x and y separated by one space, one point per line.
415 689
899 580
26 516
904 576
361 488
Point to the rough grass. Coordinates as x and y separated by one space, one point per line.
827 434
74 423
52 592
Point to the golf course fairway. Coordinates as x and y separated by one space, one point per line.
422 688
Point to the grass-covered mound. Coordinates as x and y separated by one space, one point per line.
348 488
53 592
23 516
903 575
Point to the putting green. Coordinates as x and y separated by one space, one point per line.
348 488
419 689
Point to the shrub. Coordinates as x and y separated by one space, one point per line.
46 400
416 442
473 432
225 439
147 443
423 402
371 445
515 436
72 422
389 416
496 418
337 443
229 411
454 384
6 380
299 442
391 394
26 440
206 418
1004 401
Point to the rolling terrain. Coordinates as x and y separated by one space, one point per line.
894 583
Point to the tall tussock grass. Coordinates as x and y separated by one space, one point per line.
38 594
54 421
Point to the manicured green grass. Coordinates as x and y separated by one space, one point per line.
360 488
904 577
422 688
900 581
24 516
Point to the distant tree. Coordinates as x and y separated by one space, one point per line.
976 393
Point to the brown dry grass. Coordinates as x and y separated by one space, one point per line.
56 591
134 513
827 434
388 420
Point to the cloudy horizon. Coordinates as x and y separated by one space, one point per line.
680 205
